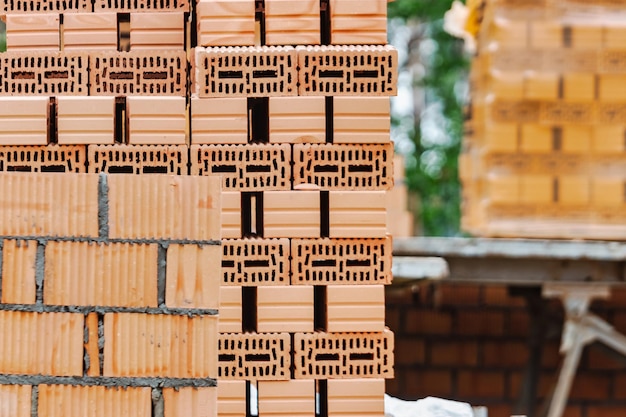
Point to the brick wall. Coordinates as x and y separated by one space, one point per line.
470 343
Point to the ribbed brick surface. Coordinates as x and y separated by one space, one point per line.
160 206
18 271
49 204
193 276
77 401
277 398
15 400
190 402
231 399
160 345
41 343
94 274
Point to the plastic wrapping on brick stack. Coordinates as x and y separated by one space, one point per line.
543 155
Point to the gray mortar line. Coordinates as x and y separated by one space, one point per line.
100 344
34 401
161 274
44 239
86 358
40 266
42 308
154 382
103 207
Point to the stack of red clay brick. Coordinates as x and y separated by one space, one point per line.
305 171
544 155
273 137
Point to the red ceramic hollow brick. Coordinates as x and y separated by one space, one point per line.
297 119
85 120
18 271
47 6
49 204
291 214
156 120
90 31
193 276
347 70
292 23
164 206
253 356
15 400
344 167
41 343
157 30
138 159
225 22
357 214
190 401
91 344
358 22
294 398
43 73
231 215
248 167
355 308
134 6
90 274
361 120
231 398
255 262
66 158
32 32
138 73
78 401
340 261
24 120
156 345
343 355
230 310
219 120
285 309
260 71
356 397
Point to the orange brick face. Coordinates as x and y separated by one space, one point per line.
162 30
158 345
156 120
219 120
292 23
357 214
231 399
362 397
25 120
85 120
190 401
297 119
193 276
22 350
114 274
285 309
77 401
295 398
356 308
291 214
15 400
90 31
161 206
45 204
225 22
358 22
32 32
230 310
18 271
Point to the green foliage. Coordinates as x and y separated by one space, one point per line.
439 191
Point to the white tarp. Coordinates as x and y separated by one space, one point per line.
427 407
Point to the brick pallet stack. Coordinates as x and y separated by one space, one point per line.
299 131
544 154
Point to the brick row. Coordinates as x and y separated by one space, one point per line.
558 112
165 120
342 356
272 71
232 23
347 308
298 214
115 274
253 262
83 6
45 205
97 73
251 356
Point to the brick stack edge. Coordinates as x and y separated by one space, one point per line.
262 129
544 153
